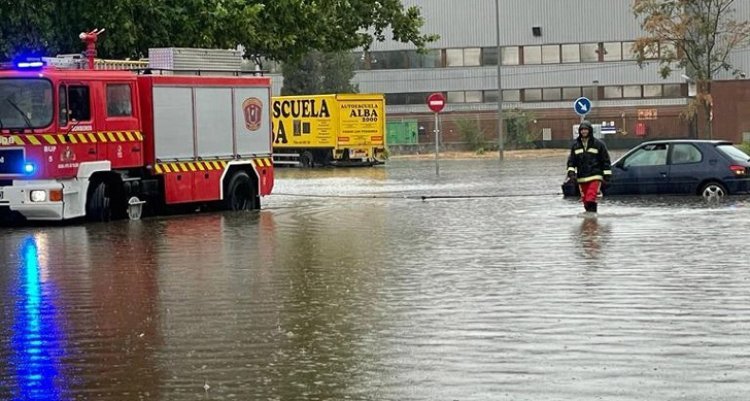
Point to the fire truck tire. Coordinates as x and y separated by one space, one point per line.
306 159
239 194
98 203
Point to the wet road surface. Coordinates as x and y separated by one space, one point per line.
348 286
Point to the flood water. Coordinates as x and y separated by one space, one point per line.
349 286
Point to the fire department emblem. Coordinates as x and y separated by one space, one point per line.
252 108
67 155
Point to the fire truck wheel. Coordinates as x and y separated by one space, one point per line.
98 204
306 159
239 192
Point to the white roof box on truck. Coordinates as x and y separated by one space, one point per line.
188 61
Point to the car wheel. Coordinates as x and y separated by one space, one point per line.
713 191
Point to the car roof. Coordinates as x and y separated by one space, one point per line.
708 141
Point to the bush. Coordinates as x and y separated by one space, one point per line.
745 147
472 135
518 133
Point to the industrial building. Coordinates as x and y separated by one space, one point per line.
551 53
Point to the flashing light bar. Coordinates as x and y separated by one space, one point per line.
29 63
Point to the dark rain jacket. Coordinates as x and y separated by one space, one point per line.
590 162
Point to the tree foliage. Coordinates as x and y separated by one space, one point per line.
318 73
275 29
518 129
696 36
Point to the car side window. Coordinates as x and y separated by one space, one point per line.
685 153
649 155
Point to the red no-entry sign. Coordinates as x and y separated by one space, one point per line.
436 102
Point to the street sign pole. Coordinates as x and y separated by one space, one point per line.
437 144
436 102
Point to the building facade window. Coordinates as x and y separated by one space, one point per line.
612 51
631 91
591 92
454 57
456 97
473 96
613 92
489 56
532 95
532 55
672 91
652 91
511 95
571 93
429 59
551 54
628 51
571 53
589 52
419 98
551 94
490 96
510 55
472 57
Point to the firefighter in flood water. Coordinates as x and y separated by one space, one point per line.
588 165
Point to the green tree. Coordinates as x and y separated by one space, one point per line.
694 35
24 27
318 73
281 30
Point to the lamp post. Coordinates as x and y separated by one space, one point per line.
500 139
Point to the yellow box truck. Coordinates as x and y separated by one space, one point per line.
329 130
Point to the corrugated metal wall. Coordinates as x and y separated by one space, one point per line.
468 23
472 23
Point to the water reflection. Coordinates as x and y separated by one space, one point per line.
344 297
37 343
592 235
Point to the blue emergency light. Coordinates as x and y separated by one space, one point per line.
29 168
29 63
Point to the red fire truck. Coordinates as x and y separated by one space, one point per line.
101 143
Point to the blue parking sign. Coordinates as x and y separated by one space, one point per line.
582 106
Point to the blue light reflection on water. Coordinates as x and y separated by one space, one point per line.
36 341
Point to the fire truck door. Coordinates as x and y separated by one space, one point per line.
72 145
121 124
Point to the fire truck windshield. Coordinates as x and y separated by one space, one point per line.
25 103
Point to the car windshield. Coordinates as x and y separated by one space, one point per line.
25 103
733 153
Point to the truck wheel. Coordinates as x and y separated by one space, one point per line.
239 193
98 203
306 159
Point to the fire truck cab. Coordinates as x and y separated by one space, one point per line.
97 143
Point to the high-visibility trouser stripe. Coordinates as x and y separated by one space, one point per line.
71 138
591 178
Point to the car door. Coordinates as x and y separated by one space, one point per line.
685 164
643 171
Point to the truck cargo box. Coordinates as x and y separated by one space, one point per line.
332 129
